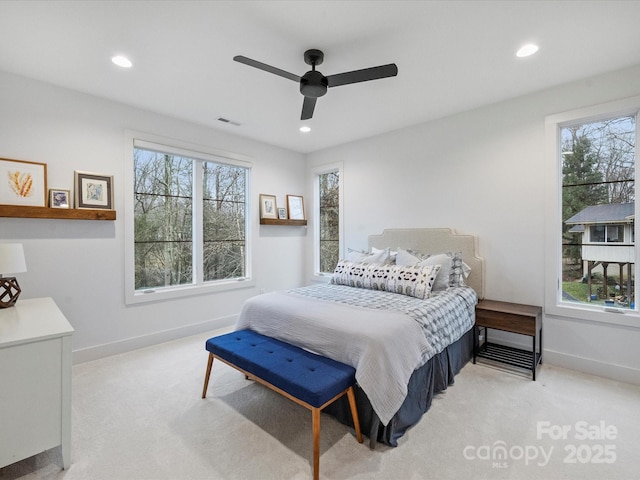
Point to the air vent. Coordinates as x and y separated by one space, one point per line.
226 120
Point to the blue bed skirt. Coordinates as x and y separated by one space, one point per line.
433 377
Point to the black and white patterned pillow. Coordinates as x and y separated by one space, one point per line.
349 273
414 281
377 276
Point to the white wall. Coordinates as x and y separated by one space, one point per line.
81 263
482 172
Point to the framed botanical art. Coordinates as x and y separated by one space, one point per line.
93 190
268 207
295 205
282 213
59 198
23 183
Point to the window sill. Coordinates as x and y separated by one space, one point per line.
605 315
173 293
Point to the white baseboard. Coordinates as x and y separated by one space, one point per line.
593 367
129 344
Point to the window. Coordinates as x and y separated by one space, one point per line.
594 154
329 215
163 212
328 230
190 216
605 234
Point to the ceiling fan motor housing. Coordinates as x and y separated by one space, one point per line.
313 84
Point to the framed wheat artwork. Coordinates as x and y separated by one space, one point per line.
23 183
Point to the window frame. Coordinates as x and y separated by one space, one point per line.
605 233
198 287
316 172
553 218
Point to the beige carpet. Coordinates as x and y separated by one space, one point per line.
139 416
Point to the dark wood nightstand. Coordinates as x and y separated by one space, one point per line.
514 318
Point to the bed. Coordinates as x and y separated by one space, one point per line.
405 331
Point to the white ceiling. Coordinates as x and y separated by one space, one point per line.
451 56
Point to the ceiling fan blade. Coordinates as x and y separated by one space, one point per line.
364 75
308 106
266 68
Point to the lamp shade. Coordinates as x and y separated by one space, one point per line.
12 258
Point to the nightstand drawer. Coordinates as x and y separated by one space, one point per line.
506 321
510 317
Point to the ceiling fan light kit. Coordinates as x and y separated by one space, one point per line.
314 84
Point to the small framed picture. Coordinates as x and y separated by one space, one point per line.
282 213
268 207
295 205
93 190
59 198
23 183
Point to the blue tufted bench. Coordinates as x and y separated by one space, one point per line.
308 379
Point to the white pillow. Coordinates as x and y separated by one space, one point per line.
404 257
452 269
444 260
392 253
356 256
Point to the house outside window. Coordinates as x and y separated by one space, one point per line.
189 222
597 174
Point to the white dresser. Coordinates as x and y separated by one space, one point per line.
35 380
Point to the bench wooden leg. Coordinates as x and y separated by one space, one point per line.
354 413
315 420
206 377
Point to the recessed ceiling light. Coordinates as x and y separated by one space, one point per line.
526 50
121 61
305 129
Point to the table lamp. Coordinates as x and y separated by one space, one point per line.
11 261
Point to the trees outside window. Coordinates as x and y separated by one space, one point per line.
189 219
329 220
224 205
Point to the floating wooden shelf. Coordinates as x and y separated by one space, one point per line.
18 211
277 221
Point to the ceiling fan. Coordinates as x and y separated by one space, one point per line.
314 84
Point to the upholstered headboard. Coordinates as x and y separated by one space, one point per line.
436 240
